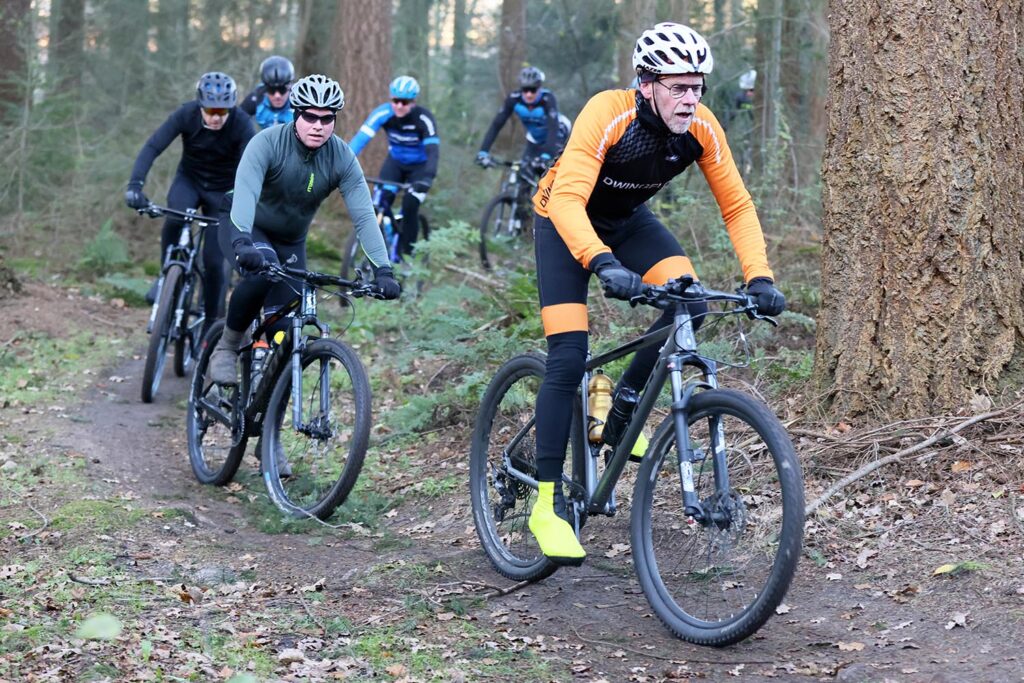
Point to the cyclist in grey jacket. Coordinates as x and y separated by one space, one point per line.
285 173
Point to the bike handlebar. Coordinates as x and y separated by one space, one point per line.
357 288
156 211
380 181
687 290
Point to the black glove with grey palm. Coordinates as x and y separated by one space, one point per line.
134 197
618 281
247 255
769 300
384 280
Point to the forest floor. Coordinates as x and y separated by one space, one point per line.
100 515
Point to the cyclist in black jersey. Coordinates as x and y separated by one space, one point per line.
537 109
285 174
268 101
213 133
413 152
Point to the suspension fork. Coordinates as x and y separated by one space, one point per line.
297 372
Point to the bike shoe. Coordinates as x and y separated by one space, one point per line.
636 453
284 468
556 537
222 365
153 290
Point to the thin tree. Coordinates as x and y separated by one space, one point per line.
511 43
412 40
14 19
67 20
923 183
635 16
312 47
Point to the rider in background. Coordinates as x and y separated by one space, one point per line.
537 108
413 152
285 174
268 102
592 217
213 133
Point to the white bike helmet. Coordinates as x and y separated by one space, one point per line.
669 49
317 92
748 79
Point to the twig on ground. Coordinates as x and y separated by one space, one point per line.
872 466
682 659
105 321
469 273
305 606
89 582
46 522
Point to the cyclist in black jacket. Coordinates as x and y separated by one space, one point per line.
213 133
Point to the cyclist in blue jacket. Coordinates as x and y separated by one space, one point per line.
537 109
268 102
413 152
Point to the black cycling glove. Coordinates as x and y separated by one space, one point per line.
618 281
769 300
247 256
384 279
134 197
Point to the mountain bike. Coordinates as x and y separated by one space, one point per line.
306 396
177 316
390 226
716 523
506 227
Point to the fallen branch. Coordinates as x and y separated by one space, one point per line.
872 466
469 273
46 522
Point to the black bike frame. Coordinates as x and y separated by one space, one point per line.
679 350
183 253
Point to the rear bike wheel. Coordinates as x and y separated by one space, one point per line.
502 232
214 424
325 452
352 258
156 355
501 503
191 324
716 582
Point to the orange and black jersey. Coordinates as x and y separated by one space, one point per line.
620 153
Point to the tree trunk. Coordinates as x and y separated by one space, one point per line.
635 16
14 40
460 26
313 45
512 44
67 20
172 32
923 184
363 65
412 41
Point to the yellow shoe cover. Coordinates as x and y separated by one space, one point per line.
557 540
636 454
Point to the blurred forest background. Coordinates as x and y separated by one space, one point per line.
85 82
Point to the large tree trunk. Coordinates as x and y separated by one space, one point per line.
172 33
313 44
14 39
923 185
635 16
412 41
363 67
460 26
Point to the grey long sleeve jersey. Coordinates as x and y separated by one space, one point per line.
280 184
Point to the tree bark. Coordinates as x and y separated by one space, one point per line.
412 41
923 184
460 26
512 44
635 16
67 20
363 66
172 31
313 44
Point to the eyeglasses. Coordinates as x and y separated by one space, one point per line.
531 89
278 89
215 111
325 120
400 100
679 90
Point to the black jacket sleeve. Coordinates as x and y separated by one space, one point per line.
174 126
251 101
499 120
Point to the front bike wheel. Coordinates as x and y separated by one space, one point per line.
506 425
214 424
156 355
190 327
501 233
325 451
715 582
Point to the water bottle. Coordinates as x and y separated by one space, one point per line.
623 405
599 393
260 351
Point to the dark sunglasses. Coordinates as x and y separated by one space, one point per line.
325 120
531 89
278 89
215 111
400 100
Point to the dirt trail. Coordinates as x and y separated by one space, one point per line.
888 620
